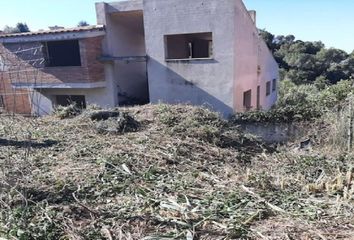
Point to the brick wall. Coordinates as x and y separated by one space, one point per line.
91 70
91 50
23 63
15 100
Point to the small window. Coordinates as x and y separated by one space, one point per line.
247 99
2 102
274 85
258 97
268 87
189 46
62 53
66 100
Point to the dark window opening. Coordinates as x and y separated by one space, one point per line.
2 102
247 99
268 88
258 97
62 53
189 46
274 86
66 100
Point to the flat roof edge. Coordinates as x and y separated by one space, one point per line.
125 6
59 85
52 37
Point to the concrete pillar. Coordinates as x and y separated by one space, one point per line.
111 87
101 13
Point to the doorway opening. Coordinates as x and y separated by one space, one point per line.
129 57
247 100
258 97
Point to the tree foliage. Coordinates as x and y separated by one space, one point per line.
20 28
304 62
83 24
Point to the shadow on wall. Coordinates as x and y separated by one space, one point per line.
29 54
168 86
132 83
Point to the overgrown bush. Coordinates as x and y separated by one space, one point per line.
63 112
300 102
117 124
200 123
189 121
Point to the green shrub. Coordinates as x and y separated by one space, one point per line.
300 102
336 93
63 112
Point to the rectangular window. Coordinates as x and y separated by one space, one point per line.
2 102
189 46
62 53
258 97
268 87
274 85
66 100
247 99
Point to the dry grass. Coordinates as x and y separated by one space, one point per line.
166 172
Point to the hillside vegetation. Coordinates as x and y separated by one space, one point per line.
304 62
166 172
314 80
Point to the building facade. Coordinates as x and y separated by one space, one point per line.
200 52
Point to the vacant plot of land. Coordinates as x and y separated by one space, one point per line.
165 172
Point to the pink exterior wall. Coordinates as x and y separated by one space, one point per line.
254 63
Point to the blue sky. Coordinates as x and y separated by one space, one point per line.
330 21
39 14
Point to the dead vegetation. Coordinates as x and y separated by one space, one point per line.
165 172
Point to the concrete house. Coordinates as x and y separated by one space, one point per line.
201 52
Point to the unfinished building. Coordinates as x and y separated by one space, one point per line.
201 52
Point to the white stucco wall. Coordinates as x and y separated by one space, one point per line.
128 40
44 100
269 71
199 82
41 104
125 37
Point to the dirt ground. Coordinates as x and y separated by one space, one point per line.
166 172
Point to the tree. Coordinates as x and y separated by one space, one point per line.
20 28
9 29
268 38
83 24
304 62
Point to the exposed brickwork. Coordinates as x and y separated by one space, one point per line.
90 71
93 50
32 70
15 100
